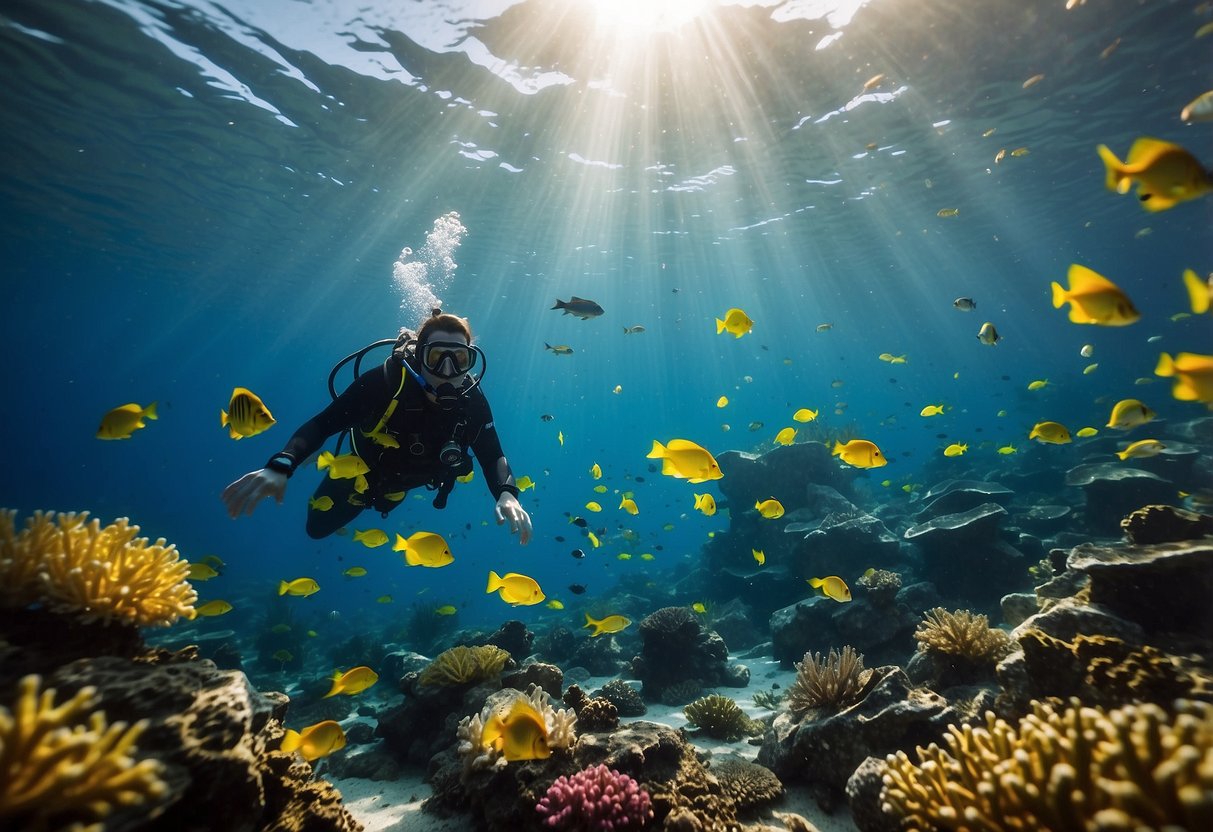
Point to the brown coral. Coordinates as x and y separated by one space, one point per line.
719 717
598 715
463 665
59 764
833 682
1135 768
1165 524
963 634
100 573
749 784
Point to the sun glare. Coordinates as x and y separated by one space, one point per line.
645 17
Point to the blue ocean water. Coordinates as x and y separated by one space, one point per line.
199 196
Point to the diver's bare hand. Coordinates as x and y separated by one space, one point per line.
242 496
508 508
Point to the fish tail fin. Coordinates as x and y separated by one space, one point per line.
719 326
401 544
1123 454
816 582
1117 180
291 741
324 460
590 622
335 689
282 587
222 418
1059 295
1166 366
1198 292
495 582
559 305
150 410
838 448
658 451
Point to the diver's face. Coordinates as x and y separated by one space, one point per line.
446 357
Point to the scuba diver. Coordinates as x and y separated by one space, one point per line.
411 422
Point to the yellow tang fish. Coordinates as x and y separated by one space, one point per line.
1193 374
424 549
623 556
246 414
1129 413
759 556
987 335
524 482
892 359
647 556
593 539
344 467
1200 292
805 415
371 538
1165 173
352 682
955 449
629 505
771 509
1141 449
299 586
466 478
214 561
593 506
560 437
700 607
446 609
1094 299
723 401
1007 450
610 624
554 605
600 489
355 572
860 453
1053 433
323 503
736 322
201 572
213 608
121 422
1086 432
595 471
705 503
785 436
833 586
521 734
931 410
383 599
1090 368
515 589
1039 384
683 459
316 741
1020 151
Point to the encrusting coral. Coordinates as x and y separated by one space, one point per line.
100 573
462 665
56 767
749 784
833 682
719 717
1135 768
963 634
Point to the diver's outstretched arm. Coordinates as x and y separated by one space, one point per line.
242 496
508 508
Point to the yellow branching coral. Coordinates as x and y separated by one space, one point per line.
59 764
963 634
104 573
461 665
833 682
1076 770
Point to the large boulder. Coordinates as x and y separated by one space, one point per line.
1113 489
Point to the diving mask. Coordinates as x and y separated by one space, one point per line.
448 359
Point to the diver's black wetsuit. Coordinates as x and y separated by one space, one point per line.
419 426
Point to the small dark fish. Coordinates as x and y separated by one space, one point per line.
578 553
1006 378
941 436
579 521
560 538
639 479
965 304
467 526
581 307
755 425
652 468
659 548
577 589
547 417
675 290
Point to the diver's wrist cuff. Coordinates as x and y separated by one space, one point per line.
509 489
282 463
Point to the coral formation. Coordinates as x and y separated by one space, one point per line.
833 682
768 699
105 574
749 784
880 586
676 647
64 763
595 799
598 714
463 665
625 698
575 698
1165 524
561 726
962 634
719 717
1074 769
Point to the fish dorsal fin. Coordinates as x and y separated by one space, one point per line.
682 445
1146 149
1084 281
575 299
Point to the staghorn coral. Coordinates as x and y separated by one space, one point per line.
100 573
596 799
57 767
462 665
833 682
1078 769
749 784
962 634
719 717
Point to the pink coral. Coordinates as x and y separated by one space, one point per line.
597 799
